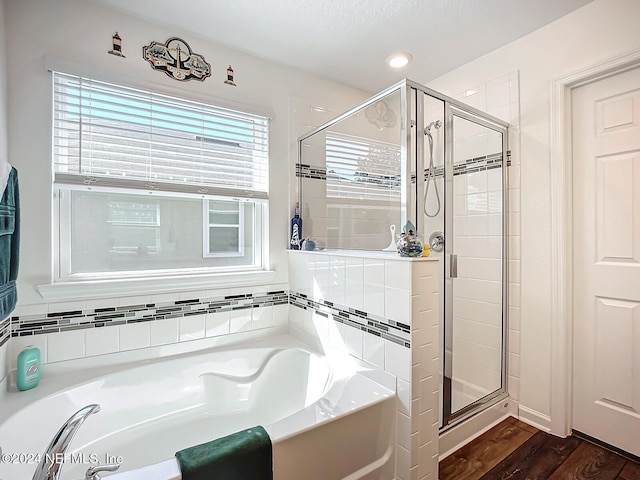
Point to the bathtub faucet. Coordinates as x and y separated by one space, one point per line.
53 458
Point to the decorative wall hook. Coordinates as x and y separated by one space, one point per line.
176 59
117 46
229 80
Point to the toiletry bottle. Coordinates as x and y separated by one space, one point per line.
296 229
28 371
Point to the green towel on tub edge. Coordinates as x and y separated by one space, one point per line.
244 455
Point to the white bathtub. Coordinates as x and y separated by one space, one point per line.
326 418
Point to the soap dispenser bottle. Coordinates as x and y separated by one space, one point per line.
296 229
28 368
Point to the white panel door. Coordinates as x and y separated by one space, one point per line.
606 259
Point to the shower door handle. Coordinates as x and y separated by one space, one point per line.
453 266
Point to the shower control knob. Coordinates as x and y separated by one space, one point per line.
436 241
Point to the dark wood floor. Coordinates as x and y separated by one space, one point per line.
514 450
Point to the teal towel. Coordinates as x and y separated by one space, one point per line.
244 455
9 244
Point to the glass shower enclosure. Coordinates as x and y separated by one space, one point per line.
412 154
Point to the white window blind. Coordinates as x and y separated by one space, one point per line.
362 168
111 135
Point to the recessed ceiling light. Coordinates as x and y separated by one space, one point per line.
399 60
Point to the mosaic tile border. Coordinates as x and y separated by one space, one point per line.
102 317
56 322
5 329
471 165
309 171
381 327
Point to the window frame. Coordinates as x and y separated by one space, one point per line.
62 234
206 231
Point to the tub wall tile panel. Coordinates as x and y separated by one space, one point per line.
395 293
71 330
425 366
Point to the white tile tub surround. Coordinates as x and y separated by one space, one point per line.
397 289
92 342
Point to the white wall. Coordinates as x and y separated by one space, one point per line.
598 31
3 143
81 32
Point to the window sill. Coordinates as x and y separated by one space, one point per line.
138 286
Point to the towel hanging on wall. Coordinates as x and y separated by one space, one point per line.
9 240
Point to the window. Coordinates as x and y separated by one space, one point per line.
362 168
148 184
225 232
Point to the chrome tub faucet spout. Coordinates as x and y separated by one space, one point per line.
52 460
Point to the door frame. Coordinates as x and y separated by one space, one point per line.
562 230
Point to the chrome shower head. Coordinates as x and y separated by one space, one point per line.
437 124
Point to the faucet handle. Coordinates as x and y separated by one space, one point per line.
92 472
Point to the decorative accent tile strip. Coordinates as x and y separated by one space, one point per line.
5 329
381 327
55 322
103 317
308 171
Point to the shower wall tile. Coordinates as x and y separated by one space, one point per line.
403 463
134 336
354 341
397 360
217 324
403 391
514 175
338 279
261 317
18 343
193 327
240 320
514 201
65 346
514 341
374 271
514 247
4 364
374 298
397 304
163 332
514 387
373 350
354 283
99 341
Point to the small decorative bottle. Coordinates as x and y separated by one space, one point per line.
409 244
296 229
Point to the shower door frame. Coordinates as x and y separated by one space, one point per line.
450 419
412 157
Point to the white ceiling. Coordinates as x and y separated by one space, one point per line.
349 40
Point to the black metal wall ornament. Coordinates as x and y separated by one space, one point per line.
176 59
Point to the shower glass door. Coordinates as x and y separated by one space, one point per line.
475 256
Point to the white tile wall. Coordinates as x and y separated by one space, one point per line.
137 335
401 290
499 97
162 332
99 341
4 364
65 346
193 327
